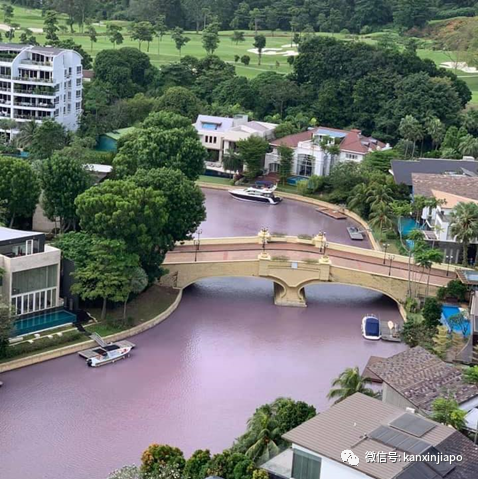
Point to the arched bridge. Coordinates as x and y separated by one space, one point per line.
293 263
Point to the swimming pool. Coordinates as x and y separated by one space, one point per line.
43 321
448 310
293 180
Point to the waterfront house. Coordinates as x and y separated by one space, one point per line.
40 83
31 278
415 378
449 189
219 135
362 437
311 156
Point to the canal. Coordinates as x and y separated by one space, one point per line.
194 380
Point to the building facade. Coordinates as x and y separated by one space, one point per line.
313 154
31 272
40 83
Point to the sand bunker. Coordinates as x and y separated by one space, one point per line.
36 30
5 28
274 51
463 66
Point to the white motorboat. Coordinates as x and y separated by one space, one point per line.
256 194
371 327
109 353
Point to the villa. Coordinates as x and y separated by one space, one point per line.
450 189
31 275
415 378
39 83
362 437
310 156
221 134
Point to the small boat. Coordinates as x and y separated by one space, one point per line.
371 327
108 354
354 233
257 194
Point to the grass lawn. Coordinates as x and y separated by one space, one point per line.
215 180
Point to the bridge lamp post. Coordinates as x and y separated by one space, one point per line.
265 232
385 245
197 244
391 257
326 245
448 261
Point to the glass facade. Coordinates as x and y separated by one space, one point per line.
305 165
34 289
305 466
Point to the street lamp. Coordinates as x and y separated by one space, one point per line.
265 232
197 244
391 257
385 245
326 245
448 261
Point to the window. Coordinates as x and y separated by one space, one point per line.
78 82
34 279
78 70
78 105
305 165
351 156
274 167
78 93
305 466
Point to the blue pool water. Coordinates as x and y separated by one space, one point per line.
448 310
293 180
43 321
408 225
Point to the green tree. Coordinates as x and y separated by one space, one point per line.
143 32
121 210
210 38
179 39
411 129
441 342
19 188
259 43
286 156
160 28
471 375
7 13
25 134
184 202
464 226
63 178
381 217
469 146
266 430
93 35
425 258
431 312
412 13
252 152
196 464
232 161
106 273
114 34
290 413
245 60
50 25
417 333
6 326
238 37
158 455
348 383
138 282
447 411
379 160
47 138
436 129
180 100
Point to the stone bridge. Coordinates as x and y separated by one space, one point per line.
293 263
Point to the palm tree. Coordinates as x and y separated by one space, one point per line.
411 129
358 198
436 129
416 236
425 258
380 216
348 383
264 427
25 135
469 146
379 194
464 226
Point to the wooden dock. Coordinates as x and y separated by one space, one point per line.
336 214
89 353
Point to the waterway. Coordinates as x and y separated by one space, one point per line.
195 379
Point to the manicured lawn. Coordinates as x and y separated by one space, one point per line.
216 180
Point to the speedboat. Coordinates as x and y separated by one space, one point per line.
256 194
371 327
108 354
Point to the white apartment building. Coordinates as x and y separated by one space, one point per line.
31 272
310 158
221 134
39 83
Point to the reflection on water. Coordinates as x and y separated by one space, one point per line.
192 381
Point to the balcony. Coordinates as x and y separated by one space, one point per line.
5 102
38 104
34 79
5 77
24 117
7 59
35 62
35 91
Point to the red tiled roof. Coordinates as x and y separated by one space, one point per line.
354 141
293 140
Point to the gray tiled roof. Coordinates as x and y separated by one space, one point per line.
466 186
403 169
422 377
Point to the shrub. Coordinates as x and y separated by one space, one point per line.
280 258
303 187
236 58
366 30
245 59
411 305
160 455
471 375
455 289
304 237
432 312
418 333
197 463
